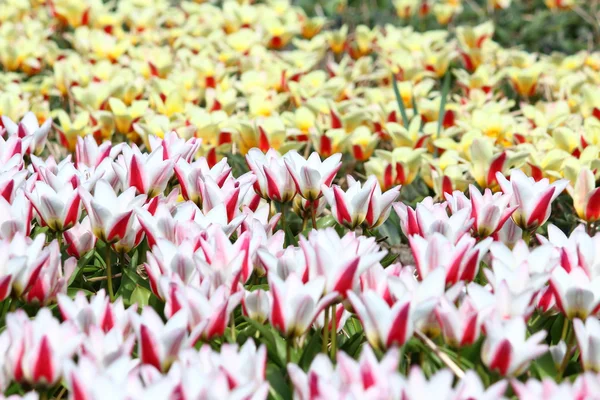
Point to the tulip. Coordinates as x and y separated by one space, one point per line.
12 176
231 193
273 180
461 260
71 129
110 215
98 312
148 173
509 234
22 260
349 208
39 347
586 197
15 216
126 116
577 250
12 151
225 263
350 378
243 368
533 199
80 239
52 279
387 326
311 174
93 382
460 326
174 147
291 260
576 294
58 210
471 387
507 349
417 386
104 347
189 176
257 304
502 303
226 375
295 304
170 259
207 313
380 205
489 211
583 387
588 340
89 154
29 127
339 260
430 218
159 343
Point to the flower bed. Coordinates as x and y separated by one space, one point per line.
244 201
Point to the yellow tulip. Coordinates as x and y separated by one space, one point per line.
69 129
125 116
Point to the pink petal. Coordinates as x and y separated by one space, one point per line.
43 367
502 358
148 348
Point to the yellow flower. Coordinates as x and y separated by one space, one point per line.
397 167
363 143
406 8
125 116
585 195
337 39
169 105
560 4
69 129
330 141
525 80
265 103
486 160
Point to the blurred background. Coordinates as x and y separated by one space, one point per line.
534 25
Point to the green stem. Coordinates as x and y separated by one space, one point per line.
288 350
526 237
59 240
233 333
333 332
313 213
567 357
304 223
283 207
61 393
325 331
565 329
109 282
270 208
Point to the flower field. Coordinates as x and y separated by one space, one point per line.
238 200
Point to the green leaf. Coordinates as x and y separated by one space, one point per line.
312 348
353 344
545 366
278 382
290 238
322 223
71 292
557 328
140 296
267 337
442 113
389 259
400 102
